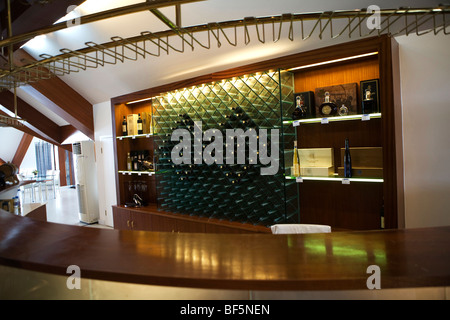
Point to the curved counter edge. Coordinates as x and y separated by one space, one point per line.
334 261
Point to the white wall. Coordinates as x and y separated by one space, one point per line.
9 141
105 161
425 85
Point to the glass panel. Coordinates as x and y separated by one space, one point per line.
222 178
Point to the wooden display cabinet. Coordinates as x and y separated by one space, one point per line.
130 182
356 206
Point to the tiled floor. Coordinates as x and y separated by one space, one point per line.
64 209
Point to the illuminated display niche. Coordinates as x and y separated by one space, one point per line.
234 192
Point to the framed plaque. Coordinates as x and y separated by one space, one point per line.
305 102
370 96
343 96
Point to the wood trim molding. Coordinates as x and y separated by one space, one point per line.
22 149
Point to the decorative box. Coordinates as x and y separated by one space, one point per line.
343 96
316 162
316 171
132 124
366 162
146 122
370 96
371 157
359 172
306 99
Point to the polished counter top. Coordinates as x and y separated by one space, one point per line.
330 261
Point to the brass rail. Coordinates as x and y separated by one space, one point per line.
331 24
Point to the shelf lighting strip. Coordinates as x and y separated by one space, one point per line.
378 180
364 117
150 173
144 135
140 100
334 61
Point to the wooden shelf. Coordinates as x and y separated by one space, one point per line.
339 179
150 173
362 117
144 135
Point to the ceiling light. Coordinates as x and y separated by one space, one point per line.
333 61
140 100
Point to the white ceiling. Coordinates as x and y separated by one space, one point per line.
100 85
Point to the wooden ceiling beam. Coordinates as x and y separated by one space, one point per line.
27 128
22 149
66 102
35 120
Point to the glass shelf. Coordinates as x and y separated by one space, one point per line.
139 173
341 179
363 117
144 135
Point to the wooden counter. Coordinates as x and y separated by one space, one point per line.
407 258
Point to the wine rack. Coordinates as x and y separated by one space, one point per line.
233 192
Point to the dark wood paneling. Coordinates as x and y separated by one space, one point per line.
152 219
336 74
356 206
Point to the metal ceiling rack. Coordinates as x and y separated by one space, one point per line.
330 24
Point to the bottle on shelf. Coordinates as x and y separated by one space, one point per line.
135 162
300 110
368 103
139 125
129 163
328 108
295 164
347 161
124 126
343 111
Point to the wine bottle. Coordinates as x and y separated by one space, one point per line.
300 110
347 161
295 165
343 111
124 126
368 103
237 109
139 125
328 108
135 163
129 163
